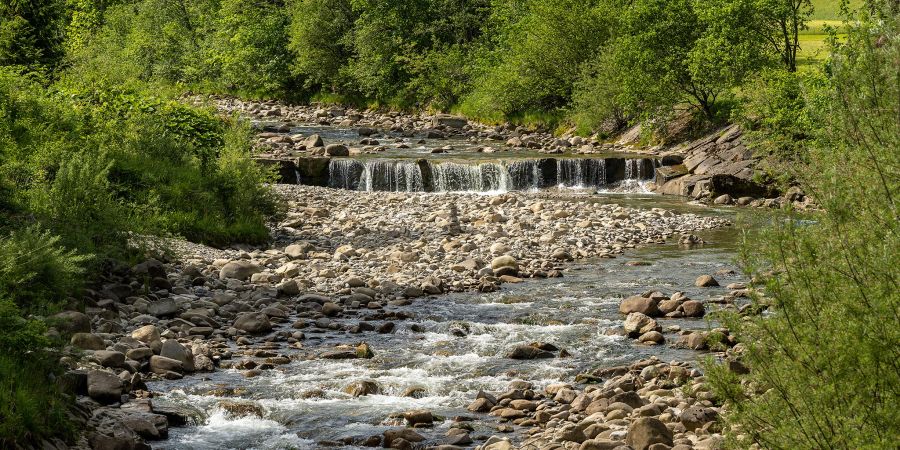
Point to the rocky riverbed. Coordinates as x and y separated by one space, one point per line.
403 298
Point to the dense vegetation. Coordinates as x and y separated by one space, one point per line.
96 151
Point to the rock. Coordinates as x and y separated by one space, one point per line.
693 341
71 322
104 387
637 324
697 416
600 444
241 409
504 261
87 341
528 352
297 251
330 309
364 351
108 358
418 416
240 270
402 433
174 350
693 308
706 281
652 337
723 199
449 121
164 307
643 305
161 365
361 388
337 150
312 141
146 334
253 323
481 405
646 431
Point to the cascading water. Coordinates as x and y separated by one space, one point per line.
406 175
581 173
344 173
397 176
484 177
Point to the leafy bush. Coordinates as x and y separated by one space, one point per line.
31 405
823 370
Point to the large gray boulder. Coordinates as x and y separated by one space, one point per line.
174 350
241 270
104 387
71 322
253 323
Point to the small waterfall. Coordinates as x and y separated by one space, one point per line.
639 169
397 176
581 173
525 174
344 173
483 177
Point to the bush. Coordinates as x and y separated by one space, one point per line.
31 405
823 365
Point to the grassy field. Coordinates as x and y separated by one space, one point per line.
826 14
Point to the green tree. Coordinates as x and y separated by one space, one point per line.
321 39
780 23
31 33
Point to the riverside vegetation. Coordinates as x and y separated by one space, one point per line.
102 165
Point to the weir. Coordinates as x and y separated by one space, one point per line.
408 175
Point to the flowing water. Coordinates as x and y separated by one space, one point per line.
461 350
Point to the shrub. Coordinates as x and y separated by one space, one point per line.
823 371
31 405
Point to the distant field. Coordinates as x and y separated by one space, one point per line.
826 13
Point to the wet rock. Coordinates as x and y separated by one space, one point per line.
331 309
364 351
654 337
104 387
480 405
418 417
646 431
402 433
528 352
241 409
361 388
705 281
253 323
639 304
693 308
337 150
637 324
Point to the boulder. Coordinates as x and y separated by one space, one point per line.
174 350
646 431
528 352
337 150
697 416
253 323
449 121
362 388
705 281
87 341
109 358
161 365
637 324
71 322
241 270
693 308
104 387
313 140
163 307
643 305
146 334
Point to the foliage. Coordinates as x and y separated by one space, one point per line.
36 272
31 33
321 39
833 285
542 46
31 405
777 112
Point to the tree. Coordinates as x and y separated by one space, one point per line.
321 39
780 24
31 33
